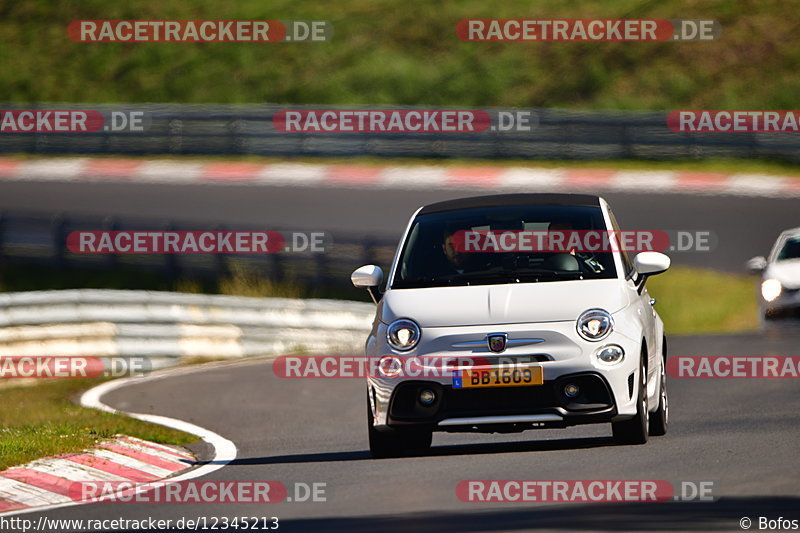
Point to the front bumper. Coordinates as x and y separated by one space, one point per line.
608 389
786 305
503 408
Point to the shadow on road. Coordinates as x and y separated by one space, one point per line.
722 515
436 451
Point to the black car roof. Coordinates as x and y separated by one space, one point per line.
500 200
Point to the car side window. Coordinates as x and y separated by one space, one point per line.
626 258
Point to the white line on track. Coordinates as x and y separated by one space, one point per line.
224 449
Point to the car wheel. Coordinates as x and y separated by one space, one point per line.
660 419
635 430
396 442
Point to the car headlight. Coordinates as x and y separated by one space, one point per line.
403 334
595 324
771 289
610 354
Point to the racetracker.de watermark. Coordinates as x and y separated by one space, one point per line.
582 490
592 30
734 121
73 366
382 121
392 366
199 31
733 366
202 492
419 121
586 241
196 242
557 241
72 121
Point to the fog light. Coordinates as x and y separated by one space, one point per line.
427 397
571 390
611 354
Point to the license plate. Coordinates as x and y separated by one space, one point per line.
498 377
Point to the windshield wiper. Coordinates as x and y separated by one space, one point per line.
557 275
499 277
516 277
488 278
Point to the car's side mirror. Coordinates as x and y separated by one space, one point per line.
368 277
757 264
651 263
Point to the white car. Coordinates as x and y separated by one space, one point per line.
780 277
504 341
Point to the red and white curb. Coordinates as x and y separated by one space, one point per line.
497 179
48 481
44 484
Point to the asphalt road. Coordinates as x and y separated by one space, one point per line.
740 434
741 227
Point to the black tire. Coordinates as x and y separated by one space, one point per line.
396 442
659 420
635 430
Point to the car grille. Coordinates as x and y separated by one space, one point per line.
503 400
499 401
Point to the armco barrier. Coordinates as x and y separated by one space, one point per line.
34 238
248 129
171 327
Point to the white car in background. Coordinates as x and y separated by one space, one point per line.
780 277
562 338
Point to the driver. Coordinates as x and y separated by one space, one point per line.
587 259
457 259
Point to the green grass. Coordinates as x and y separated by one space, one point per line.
700 301
239 281
388 52
43 419
690 300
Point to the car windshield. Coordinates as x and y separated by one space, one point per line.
790 250
459 247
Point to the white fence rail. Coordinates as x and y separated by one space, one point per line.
173 327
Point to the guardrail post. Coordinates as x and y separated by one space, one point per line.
627 145
171 260
175 135
321 268
220 259
368 257
58 230
110 224
235 142
276 272
3 220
